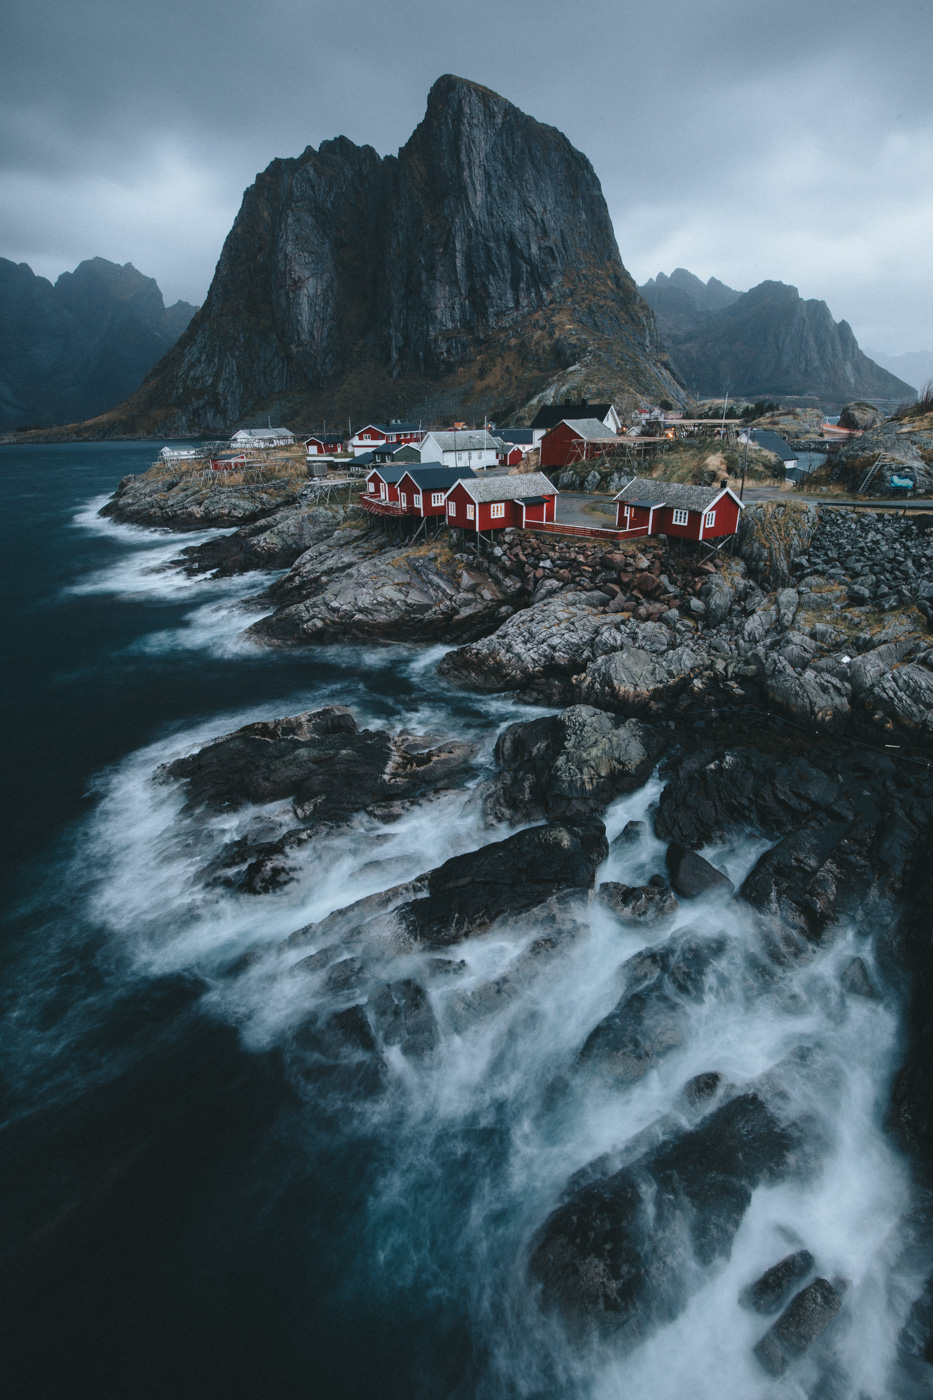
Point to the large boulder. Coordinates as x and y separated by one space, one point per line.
692 876
860 416
569 765
620 1256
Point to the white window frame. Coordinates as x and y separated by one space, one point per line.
451 507
373 485
437 498
383 491
403 500
471 513
680 517
497 510
417 501
709 520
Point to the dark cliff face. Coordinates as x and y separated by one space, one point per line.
77 348
478 268
763 342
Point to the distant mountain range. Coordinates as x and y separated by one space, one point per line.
73 350
475 272
767 342
916 366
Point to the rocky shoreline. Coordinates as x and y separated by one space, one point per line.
654 662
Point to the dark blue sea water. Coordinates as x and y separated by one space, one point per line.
193 1207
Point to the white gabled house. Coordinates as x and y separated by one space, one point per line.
464 447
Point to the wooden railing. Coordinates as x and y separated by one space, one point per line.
376 506
554 527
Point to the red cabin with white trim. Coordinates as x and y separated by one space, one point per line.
498 503
645 506
422 491
382 483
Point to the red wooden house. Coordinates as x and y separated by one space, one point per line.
495 503
422 491
648 507
374 434
576 440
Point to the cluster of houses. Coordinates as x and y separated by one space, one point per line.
464 501
430 475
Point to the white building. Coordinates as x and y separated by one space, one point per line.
263 437
466 447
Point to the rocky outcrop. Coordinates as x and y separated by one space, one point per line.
326 768
765 342
72 350
479 266
771 536
860 416
356 587
272 542
908 441
184 502
569 765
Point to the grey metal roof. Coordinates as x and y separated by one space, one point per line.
553 413
391 472
469 440
518 437
509 488
773 442
644 491
590 429
430 476
264 432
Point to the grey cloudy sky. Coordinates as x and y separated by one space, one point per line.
789 140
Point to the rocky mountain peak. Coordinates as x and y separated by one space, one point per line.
473 271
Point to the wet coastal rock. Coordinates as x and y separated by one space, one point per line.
651 1018
771 1290
569 765
645 905
692 876
469 893
805 1319
323 762
620 1256
356 587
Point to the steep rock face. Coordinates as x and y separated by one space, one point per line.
74 349
470 269
763 342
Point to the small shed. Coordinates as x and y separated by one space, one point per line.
495 503
324 445
645 506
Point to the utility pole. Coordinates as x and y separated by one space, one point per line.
748 433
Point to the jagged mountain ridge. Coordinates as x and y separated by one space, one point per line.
477 269
71 350
765 342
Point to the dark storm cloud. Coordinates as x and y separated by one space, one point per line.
788 140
